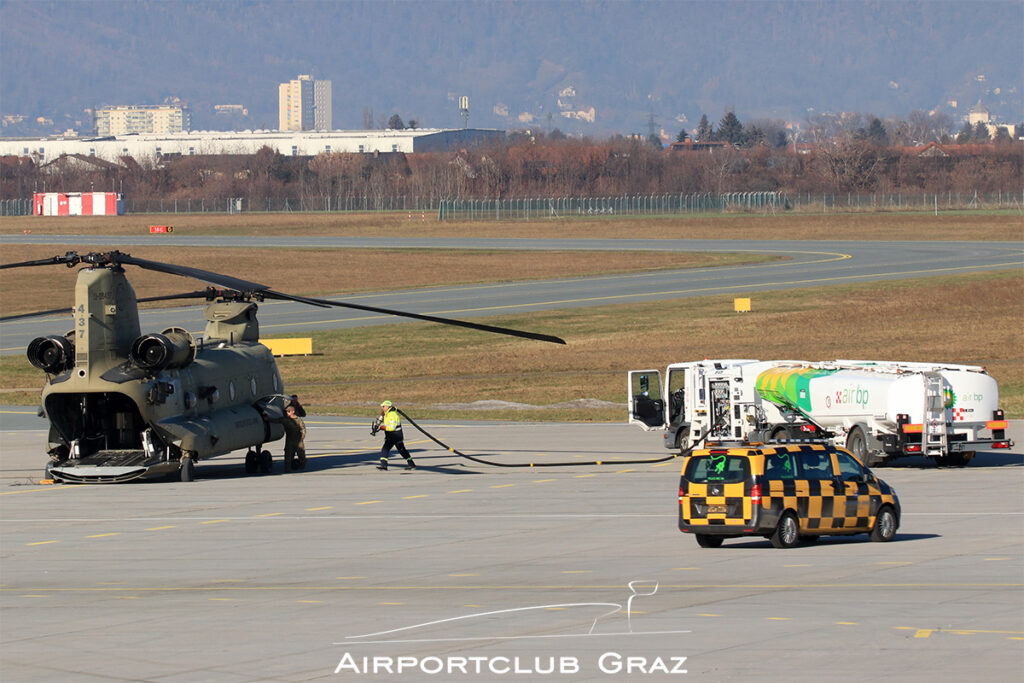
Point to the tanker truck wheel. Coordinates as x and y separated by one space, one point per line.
857 443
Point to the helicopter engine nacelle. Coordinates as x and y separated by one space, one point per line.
51 354
173 348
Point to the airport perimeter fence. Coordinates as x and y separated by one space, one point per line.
534 208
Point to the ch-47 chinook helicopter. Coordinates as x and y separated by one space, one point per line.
124 405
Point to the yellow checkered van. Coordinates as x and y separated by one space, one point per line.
787 493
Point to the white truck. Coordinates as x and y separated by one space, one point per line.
877 409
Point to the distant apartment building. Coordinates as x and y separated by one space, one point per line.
161 119
304 104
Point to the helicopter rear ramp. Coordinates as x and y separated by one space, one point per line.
111 467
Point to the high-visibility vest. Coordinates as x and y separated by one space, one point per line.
392 420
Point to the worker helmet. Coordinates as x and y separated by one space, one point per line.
385 404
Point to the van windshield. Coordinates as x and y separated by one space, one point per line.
725 469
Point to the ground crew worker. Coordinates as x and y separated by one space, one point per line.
294 440
293 402
391 422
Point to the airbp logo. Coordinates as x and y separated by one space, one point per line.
949 397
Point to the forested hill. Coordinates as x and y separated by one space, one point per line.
622 63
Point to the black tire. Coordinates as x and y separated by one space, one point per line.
810 539
187 469
857 443
787 533
780 434
251 464
705 541
885 525
952 460
266 462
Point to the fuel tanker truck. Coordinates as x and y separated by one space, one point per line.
877 409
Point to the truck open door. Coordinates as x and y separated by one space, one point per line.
646 404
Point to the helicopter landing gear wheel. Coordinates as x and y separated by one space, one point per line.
187 470
251 466
266 462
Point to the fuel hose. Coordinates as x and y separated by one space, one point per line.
482 461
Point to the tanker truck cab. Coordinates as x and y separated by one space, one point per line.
698 400
785 493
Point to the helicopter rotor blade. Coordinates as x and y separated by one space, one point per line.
53 311
195 273
446 321
54 260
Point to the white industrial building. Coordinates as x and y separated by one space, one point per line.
288 143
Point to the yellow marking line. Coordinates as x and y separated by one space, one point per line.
326 507
472 605
367 502
463 587
48 487
270 514
846 623
502 486
42 542
215 521
222 599
709 615
584 476
310 602
542 481
923 633
461 491
624 471
114 533
664 464
159 528
390 603
779 619
421 495
685 569
126 597
996 559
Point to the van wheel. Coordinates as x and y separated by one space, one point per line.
787 534
810 539
780 435
885 526
857 443
705 541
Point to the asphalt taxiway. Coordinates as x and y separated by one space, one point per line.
491 573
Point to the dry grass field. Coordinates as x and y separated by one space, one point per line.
436 371
1005 225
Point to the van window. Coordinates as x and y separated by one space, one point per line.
780 466
849 468
721 469
816 465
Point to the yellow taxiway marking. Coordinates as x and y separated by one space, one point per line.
215 521
624 471
709 615
923 632
127 597
159 528
62 487
685 569
42 542
846 623
310 602
502 486
421 495
390 603
472 605
996 559
270 514
326 507
222 599
778 619
461 491
664 464
113 533
542 481
367 502
584 476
